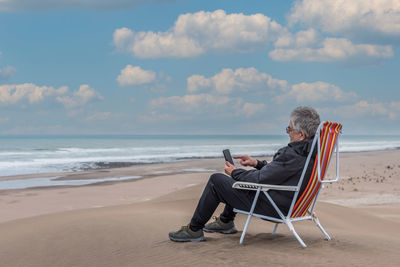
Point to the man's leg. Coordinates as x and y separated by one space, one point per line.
219 189
208 202
227 214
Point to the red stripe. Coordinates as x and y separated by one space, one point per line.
328 139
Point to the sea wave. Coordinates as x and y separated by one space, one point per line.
64 155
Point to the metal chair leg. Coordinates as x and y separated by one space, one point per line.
275 227
316 221
245 228
291 228
253 205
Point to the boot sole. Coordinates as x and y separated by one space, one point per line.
198 239
228 231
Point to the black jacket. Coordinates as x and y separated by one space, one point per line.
284 169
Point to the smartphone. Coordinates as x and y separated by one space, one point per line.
227 155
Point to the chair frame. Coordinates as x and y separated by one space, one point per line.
288 220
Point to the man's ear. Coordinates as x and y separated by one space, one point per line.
303 135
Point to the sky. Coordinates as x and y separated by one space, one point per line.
197 67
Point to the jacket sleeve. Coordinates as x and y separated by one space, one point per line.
277 171
261 164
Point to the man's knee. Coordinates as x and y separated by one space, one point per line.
219 180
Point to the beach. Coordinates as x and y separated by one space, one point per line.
126 223
116 115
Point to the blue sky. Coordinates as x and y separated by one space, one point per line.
197 67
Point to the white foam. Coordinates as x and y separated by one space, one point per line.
41 155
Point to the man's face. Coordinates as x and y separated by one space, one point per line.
295 136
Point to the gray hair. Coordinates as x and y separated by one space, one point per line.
305 119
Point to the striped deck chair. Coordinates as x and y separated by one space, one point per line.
302 207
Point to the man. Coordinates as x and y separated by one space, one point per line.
284 169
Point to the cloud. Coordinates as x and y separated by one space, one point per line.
249 109
241 79
135 75
80 97
316 92
197 82
16 93
221 101
355 18
4 119
390 110
38 5
11 94
201 106
6 72
123 39
155 45
192 102
304 38
215 103
330 50
194 34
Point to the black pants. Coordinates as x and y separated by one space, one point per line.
219 189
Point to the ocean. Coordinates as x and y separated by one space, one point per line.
43 154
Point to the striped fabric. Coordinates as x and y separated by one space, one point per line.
328 137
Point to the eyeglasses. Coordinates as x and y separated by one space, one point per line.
290 129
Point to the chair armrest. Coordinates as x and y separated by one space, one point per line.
264 187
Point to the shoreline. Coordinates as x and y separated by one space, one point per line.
133 165
365 178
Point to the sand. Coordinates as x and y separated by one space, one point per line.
127 223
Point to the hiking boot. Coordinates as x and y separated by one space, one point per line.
185 234
220 227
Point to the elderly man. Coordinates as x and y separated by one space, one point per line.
284 169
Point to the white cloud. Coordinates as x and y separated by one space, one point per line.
304 38
316 92
332 49
4 119
361 18
194 34
37 5
249 109
6 72
11 94
135 75
190 106
196 82
16 93
192 102
80 97
241 79
363 108
123 39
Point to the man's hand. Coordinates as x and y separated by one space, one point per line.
229 168
246 160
